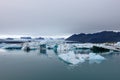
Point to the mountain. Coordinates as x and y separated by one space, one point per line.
39 38
100 37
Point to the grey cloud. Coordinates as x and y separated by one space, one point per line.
58 17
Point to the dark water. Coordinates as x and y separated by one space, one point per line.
20 65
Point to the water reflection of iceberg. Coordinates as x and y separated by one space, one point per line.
74 59
95 61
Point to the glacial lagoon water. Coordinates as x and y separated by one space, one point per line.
34 65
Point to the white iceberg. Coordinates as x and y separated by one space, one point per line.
2 45
30 46
69 58
117 44
74 59
93 56
85 45
63 47
12 46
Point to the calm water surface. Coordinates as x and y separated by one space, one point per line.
20 65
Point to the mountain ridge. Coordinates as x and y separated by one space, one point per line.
99 37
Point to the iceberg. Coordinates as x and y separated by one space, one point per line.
84 46
72 58
12 46
63 47
30 46
93 56
82 57
69 58
117 44
2 45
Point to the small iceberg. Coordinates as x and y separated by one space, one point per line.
93 56
2 45
63 47
84 46
12 46
117 44
29 46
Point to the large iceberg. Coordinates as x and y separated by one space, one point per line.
69 58
74 59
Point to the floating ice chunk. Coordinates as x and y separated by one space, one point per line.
2 45
93 56
69 58
73 58
12 46
86 45
63 47
117 44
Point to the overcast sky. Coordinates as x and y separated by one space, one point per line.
58 17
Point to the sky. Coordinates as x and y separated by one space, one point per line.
57 17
